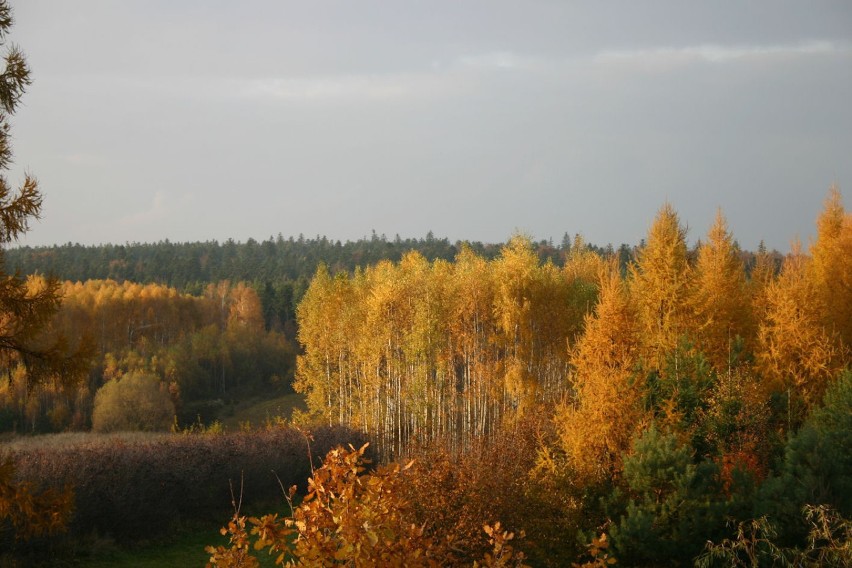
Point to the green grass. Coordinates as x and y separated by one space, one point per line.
258 412
184 548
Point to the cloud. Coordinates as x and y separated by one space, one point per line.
439 81
497 60
162 207
712 53
85 160
349 87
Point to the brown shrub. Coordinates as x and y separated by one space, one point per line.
453 495
138 490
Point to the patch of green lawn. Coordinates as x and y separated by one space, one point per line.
182 549
259 412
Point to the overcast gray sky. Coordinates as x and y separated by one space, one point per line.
197 120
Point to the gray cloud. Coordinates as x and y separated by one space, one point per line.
196 120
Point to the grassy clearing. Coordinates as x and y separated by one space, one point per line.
185 548
257 412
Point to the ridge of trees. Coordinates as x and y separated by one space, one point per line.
189 266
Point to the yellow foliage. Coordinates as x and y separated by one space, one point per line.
795 350
426 350
596 429
659 286
721 302
348 518
832 265
32 513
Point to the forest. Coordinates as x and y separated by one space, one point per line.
689 405
678 403
465 404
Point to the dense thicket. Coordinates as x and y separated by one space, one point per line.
182 265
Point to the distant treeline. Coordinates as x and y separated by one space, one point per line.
190 266
279 269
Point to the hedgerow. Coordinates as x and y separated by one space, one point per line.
132 489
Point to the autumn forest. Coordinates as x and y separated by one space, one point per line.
653 397
416 402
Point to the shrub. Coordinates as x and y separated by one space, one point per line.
454 494
138 489
137 401
353 519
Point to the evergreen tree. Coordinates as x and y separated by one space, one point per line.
25 307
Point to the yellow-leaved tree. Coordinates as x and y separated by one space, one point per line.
596 429
660 287
832 265
515 278
796 352
721 301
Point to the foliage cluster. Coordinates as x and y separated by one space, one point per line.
27 511
829 543
442 350
135 401
453 495
139 488
353 519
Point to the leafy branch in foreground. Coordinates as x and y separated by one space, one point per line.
348 518
829 543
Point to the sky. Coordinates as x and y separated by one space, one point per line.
195 120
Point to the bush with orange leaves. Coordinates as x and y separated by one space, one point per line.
454 494
348 518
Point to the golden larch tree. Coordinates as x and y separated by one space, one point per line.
26 309
659 286
832 265
596 428
795 351
720 301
